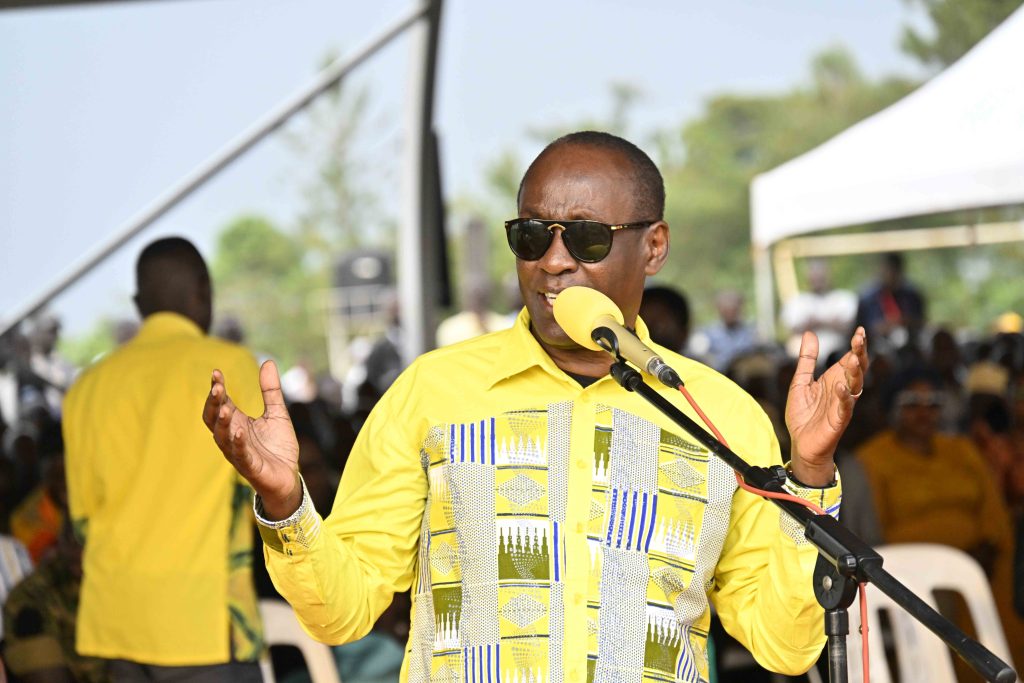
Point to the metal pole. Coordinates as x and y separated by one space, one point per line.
417 276
764 293
270 122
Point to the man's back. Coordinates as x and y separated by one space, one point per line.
158 504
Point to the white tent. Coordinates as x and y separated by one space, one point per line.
955 143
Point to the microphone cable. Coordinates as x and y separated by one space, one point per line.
583 311
861 587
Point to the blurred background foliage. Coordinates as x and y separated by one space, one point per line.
272 277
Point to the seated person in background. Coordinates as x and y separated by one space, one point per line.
945 356
667 314
37 520
892 310
39 620
476 317
931 487
824 310
730 336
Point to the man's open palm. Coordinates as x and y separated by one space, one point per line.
819 410
264 450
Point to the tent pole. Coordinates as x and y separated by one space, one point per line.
199 176
417 264
909 239
764 294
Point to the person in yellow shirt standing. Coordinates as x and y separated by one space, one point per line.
167 588
550 525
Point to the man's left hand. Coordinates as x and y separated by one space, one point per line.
818 411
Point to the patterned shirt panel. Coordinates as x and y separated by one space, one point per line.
564 533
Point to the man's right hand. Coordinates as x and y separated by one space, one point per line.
264 450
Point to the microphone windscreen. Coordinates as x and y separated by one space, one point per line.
578 309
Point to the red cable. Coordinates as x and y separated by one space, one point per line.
794 499
865 661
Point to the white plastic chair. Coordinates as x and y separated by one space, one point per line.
281 627
922 656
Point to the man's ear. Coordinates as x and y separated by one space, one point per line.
657 243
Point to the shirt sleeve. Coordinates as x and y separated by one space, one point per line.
341 573
763 582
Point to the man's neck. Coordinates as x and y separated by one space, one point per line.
576 360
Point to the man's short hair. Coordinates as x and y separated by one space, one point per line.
177 250
649 198
671 298
894 261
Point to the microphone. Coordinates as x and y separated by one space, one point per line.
593 321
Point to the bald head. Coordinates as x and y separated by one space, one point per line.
171 276
648 187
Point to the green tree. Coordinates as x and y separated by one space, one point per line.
262 277
957 25
82 350
734 139
342 206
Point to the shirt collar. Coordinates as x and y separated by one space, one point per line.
524 352
167 324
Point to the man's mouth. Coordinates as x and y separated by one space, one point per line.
549 297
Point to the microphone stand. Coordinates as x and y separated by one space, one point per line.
844 560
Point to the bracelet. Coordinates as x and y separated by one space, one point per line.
792 478
291 520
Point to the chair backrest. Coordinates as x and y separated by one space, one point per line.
925 568
281 627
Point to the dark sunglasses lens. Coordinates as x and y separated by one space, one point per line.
529 239
588 241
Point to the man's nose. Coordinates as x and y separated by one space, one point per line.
557 258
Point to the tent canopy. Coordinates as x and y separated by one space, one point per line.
955 143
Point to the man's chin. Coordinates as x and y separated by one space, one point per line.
553 338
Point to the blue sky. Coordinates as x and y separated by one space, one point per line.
106 106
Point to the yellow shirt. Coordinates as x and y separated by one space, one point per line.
167 534
948 497
549 531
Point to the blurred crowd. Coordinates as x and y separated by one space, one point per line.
935 452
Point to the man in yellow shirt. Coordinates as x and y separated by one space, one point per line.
167 587
550 525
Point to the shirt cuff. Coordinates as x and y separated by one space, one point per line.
826 497
295 534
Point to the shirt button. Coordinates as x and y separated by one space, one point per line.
574 675
579 527
581 463
577 598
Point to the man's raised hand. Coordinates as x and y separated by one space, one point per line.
264 450
819 410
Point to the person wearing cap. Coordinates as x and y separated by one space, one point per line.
550 525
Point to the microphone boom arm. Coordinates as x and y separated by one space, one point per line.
849 557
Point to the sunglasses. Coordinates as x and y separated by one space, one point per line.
587 241
919 399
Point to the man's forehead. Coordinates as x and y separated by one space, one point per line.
577 178
583 158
